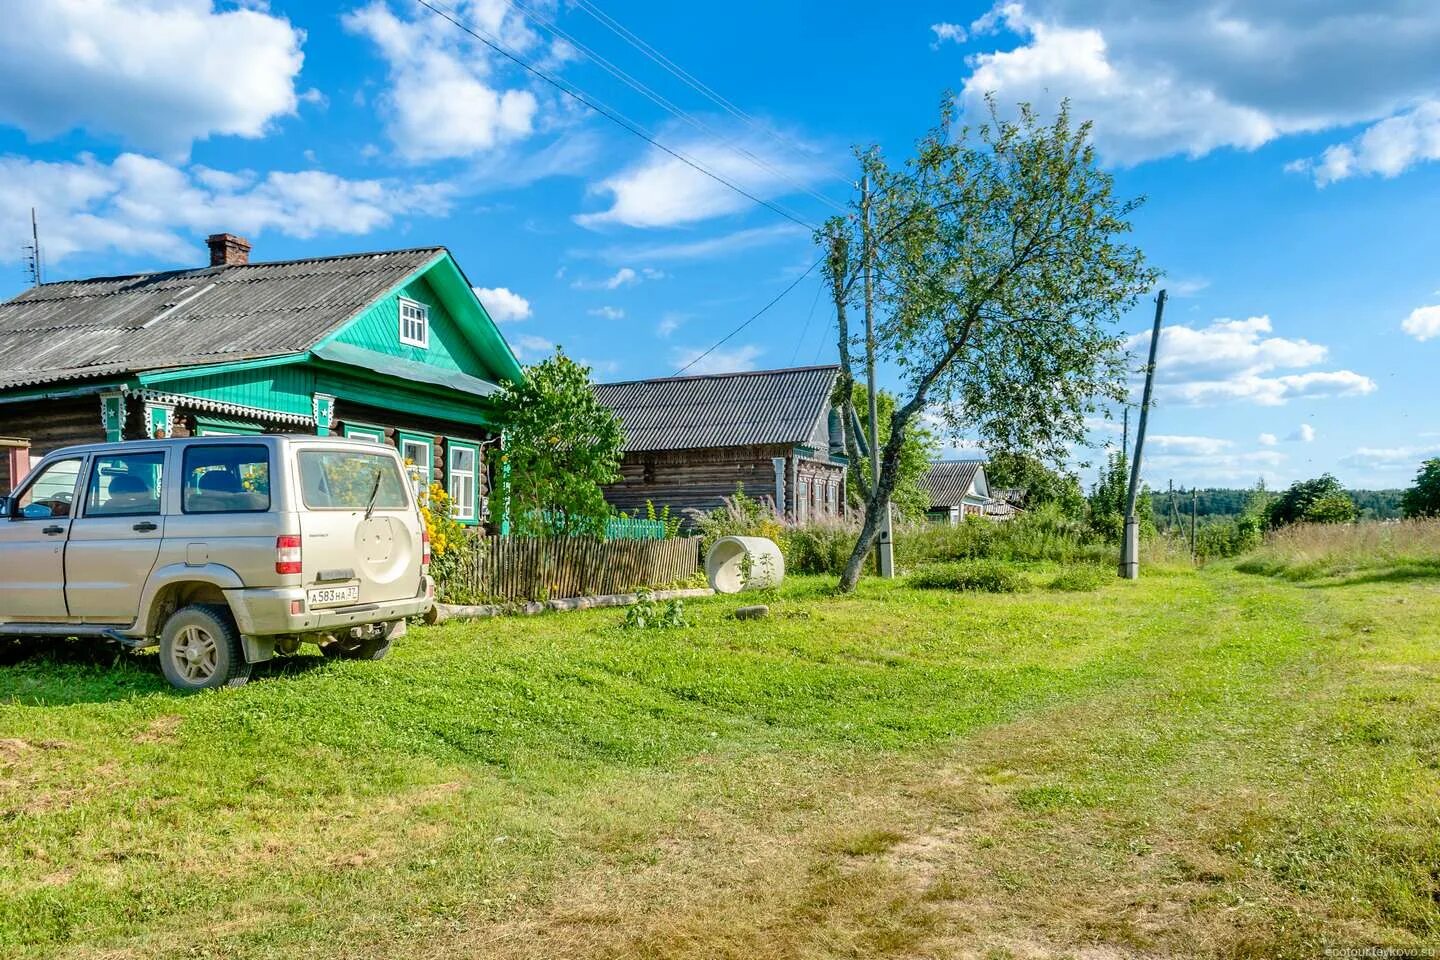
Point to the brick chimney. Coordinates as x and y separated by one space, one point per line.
228 250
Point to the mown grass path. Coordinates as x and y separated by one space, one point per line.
1209 764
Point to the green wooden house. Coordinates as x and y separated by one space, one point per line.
391 346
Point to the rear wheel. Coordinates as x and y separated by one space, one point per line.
200 649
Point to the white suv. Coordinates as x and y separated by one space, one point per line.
223 550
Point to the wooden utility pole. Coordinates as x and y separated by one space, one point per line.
1194 511
884 543
1125 434
1130 549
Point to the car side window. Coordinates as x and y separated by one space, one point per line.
51 493
125 485
233 478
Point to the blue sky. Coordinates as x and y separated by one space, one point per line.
1289 156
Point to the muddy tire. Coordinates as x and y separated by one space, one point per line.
200 649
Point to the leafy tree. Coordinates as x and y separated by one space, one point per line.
1001 271
1038 483
1106 504
561 446
1294 504
1423 499
1331 508
916 453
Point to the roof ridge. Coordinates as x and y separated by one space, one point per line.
180 271
719 376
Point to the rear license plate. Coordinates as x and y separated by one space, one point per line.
324 596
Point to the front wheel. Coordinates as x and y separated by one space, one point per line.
200 649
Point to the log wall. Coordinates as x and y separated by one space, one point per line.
49 425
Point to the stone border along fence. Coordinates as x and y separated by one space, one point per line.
518 569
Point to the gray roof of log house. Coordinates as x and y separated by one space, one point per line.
948 481
758 407
74 329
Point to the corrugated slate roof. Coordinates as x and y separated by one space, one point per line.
721 410
113 325
949 481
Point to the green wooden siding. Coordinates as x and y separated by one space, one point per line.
378 329
283 389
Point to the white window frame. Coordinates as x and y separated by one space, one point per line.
424 466
466 508
423 318
359 431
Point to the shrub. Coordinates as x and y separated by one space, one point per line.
740 516
1079 579
820 547
986 576
1042 534
647 613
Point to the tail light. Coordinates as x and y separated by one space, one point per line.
287 553
425 548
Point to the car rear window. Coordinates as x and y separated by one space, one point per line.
345 480
227 478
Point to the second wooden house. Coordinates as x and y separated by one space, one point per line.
690 442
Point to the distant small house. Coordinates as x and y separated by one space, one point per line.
391 346
957 489
690 441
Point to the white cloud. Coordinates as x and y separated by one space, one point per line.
608 313
1302 434
503 305
661 190
734 360
1161 79
1186 286
708 248
158 74
1189 446
141 205
946 32
668 324
1423 323
443 101
1387 149
530 348
1235 360
1227 467
1268 439
1390 458
624 277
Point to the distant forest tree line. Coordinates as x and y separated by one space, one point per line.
1220 504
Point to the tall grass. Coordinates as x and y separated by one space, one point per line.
1042 534
1309 551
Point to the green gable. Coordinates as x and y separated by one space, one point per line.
462 337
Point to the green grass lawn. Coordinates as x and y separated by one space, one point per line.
1200 764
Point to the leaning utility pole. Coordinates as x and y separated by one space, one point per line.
1130 549
884 543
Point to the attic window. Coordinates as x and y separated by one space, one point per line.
414 323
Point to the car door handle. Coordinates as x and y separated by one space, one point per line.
144 526
53 530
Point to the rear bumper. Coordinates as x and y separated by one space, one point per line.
266 612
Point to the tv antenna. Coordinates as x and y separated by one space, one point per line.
35 262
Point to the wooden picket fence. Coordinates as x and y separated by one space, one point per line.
505 569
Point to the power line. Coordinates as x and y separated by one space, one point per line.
755 316
800 341
605 111
639 43
666 104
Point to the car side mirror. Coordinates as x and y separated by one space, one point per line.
7 508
